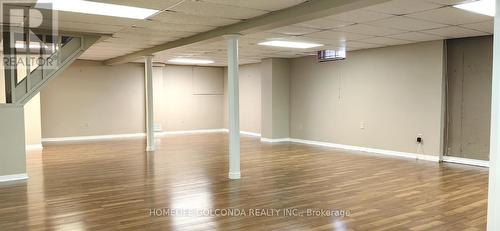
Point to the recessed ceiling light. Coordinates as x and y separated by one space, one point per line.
290 44
97 8
486 7
190 61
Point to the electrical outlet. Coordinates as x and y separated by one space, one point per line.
420 139
362 125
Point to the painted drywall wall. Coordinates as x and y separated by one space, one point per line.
470 64
190 100
376 98
2 87
33 121
276 92
32 112
12 142
250 98
91 99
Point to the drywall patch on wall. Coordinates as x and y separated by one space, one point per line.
470 64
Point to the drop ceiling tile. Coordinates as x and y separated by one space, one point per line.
130 39
450 16
130 42
449 2
256 50
108 45
163 26
289 54
294 30
370 30
360 45
401 7
417 37
150 4
89 27
147 32
199 8
330 47
338 35
265 35
487 26
405 23
324 41
359 16
267 5
385 41
93 58
181 18
324 24
455 32
88 18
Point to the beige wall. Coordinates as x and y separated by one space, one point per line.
276 94
12 141
250 98
2 86
33 122
31 115
91 99
395 93
189 101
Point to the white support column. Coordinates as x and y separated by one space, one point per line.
148 85
494 184
234 109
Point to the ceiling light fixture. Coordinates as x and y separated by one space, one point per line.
486 7
190 61
97 8
290 44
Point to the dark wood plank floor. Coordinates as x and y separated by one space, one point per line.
113 186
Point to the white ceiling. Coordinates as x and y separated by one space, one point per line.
392 23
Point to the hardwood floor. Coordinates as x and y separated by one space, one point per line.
113 186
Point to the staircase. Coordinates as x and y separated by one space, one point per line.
44 59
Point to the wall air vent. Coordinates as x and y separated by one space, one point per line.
331 55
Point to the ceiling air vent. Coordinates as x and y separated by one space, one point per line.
331 55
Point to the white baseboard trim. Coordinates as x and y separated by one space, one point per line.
92 138
125 136
255 134
250 133
458 160
369 150
14 177
34 147
234 175
267 140
187 132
